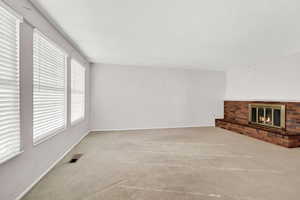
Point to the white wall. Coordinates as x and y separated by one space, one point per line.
128 97
19 173
276 80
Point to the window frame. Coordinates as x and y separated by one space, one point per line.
81 119
59 130
19 21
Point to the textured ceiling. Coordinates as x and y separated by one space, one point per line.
213 34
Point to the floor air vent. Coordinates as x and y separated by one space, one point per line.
75 158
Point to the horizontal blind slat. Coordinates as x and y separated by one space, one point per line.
9 86
77 91
49 64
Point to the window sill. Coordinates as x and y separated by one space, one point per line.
11 157
77 121
48 136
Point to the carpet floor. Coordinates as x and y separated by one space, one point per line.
173 164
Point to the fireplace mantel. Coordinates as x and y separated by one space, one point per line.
236 118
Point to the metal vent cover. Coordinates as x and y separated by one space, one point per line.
75 158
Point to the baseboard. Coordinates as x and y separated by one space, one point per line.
151 128
50 168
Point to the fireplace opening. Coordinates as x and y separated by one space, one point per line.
272 115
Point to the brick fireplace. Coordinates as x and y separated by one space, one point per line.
237 118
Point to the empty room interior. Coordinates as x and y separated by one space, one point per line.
149 100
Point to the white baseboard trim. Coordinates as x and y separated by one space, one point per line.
152 128
51 167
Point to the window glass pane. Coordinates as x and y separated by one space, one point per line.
277 119
254 114
261 115
268 117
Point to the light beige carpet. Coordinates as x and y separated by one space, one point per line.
174 164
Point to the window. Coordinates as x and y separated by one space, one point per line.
10 142
77 92
49 88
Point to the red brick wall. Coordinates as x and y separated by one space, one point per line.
236 111
268 136
293 117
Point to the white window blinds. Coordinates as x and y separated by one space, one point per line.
10 143
49 88
77 92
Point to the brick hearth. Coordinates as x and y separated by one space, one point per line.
236 119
